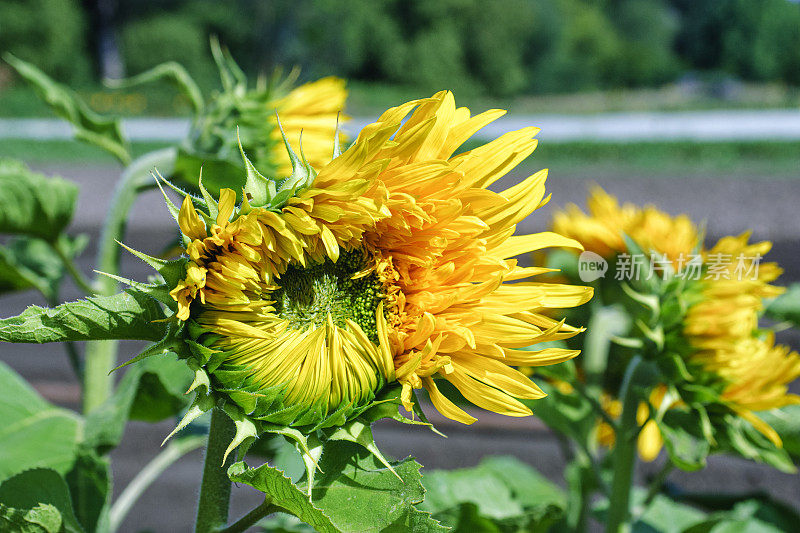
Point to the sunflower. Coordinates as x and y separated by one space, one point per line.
391 263
247 113
717 332
603 228
313 111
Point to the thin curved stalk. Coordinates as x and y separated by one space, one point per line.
174 451
101 356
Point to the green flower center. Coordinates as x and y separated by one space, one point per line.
308 295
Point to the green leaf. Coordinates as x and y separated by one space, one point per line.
90 127
90 488
786 421
283 492
150 390
34 488
34 433
34 204
171 71
502 491
740 437
43 518
127 315
359 493
161 393
749 516
31 263
786 307
663 514
569 414
748 506
353 491
683 438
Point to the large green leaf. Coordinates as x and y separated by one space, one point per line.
501 491
127 315
90 127
34 433
352 492
41 490
359 493
90 488
34 204
283 493
31 263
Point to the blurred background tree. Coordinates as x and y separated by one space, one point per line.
501 48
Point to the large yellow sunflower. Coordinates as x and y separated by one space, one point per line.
393 262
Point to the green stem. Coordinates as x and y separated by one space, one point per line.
174 451
101 356
73 271
241 525
581 483
215 491
624 458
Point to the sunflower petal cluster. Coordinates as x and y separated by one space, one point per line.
391 263
709 320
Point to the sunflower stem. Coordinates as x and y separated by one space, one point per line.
101 356
624 455
215 491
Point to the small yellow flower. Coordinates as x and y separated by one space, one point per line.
312 110
391 263
602 230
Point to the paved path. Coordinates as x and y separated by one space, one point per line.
721 125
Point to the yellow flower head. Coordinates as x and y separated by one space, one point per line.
391 263
245 113
717 332
602 230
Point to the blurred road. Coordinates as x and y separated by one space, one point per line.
722 125
728 206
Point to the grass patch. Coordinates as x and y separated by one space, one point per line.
748 160
66 151
737 160
372 98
